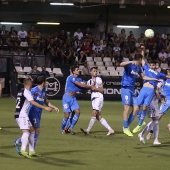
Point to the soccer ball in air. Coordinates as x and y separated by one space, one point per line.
149 33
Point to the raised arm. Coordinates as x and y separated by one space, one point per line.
123 64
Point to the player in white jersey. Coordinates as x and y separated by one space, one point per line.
97 103
153 112
24 99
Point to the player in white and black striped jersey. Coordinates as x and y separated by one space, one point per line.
97 102
24 99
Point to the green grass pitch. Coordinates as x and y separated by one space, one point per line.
79 152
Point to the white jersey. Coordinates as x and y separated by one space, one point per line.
23 103
98 83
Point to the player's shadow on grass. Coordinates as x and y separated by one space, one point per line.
7 132
5 155
48 159
142 146
9 127
7 147
101 132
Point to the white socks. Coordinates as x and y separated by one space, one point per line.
24 140
91 123
31 142
105 124
156 130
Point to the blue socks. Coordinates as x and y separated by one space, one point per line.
18 140
142 117
63 124
125 123
131 118
74 120
139 114
35 139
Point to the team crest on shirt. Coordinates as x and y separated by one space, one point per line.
52 86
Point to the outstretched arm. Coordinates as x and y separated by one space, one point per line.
123 64
148 78
47 102
83 85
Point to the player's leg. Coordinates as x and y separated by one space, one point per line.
147 96
156 133
162 112
91 123
69 121
135 108
35 118
66 100
31 142
98 107
24 125
93 116
75 107
126 101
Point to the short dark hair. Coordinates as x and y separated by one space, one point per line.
40 80
93 68
152 62
72 68
137 57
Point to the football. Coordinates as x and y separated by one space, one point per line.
149 33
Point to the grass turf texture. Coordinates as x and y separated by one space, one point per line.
79 152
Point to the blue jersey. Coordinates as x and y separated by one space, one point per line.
152 74
130 74
166 89
70 84
39 96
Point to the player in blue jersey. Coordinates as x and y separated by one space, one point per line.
39 94
132 71
148 90
73 84
165 106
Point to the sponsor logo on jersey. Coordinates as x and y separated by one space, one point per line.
52 86
167 84
135 73
153 71
40 99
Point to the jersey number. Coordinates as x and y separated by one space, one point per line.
18 102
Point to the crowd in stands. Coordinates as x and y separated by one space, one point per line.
62 48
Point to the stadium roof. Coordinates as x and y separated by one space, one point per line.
136 12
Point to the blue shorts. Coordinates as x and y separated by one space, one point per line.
69 103
164 108
145 96
35 118
128 96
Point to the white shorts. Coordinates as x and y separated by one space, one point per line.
97 104
23 123
153 110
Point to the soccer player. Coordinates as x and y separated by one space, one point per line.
164 106
153 112
73 84
132 71
97 103
39 95
148 90
24 99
